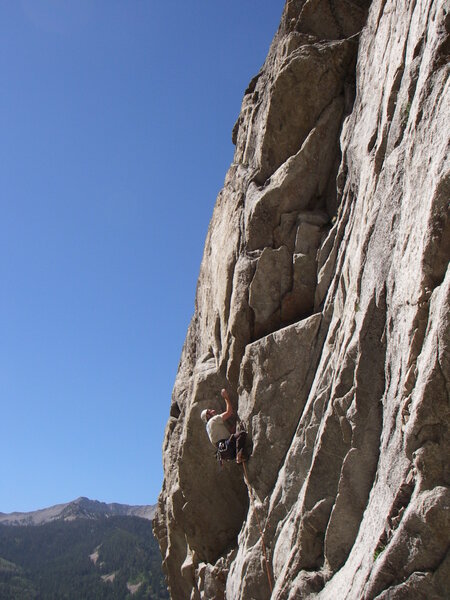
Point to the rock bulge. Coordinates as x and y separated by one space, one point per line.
323 305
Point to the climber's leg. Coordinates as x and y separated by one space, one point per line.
240 445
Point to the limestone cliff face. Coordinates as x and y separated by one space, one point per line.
323 306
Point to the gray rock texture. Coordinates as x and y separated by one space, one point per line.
323 306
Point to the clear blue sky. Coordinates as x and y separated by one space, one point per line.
116 119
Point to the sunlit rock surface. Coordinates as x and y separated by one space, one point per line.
323 306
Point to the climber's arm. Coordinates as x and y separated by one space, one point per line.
229 409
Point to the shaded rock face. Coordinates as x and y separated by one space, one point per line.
322 304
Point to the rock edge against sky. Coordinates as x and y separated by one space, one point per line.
322 304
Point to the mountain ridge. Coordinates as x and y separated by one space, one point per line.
81 507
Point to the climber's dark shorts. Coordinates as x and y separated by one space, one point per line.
227 449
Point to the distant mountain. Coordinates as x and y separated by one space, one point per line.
80 552
79 508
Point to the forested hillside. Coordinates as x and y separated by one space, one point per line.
110 558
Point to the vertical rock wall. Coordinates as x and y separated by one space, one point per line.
322 304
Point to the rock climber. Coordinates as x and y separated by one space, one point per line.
229 446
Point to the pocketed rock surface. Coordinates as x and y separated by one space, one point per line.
323 306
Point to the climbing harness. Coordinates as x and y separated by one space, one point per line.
227 449
224 451
266 561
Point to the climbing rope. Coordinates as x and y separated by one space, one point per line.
266 562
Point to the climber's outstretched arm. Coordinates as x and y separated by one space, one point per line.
229 409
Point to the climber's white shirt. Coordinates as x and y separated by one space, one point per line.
217 430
